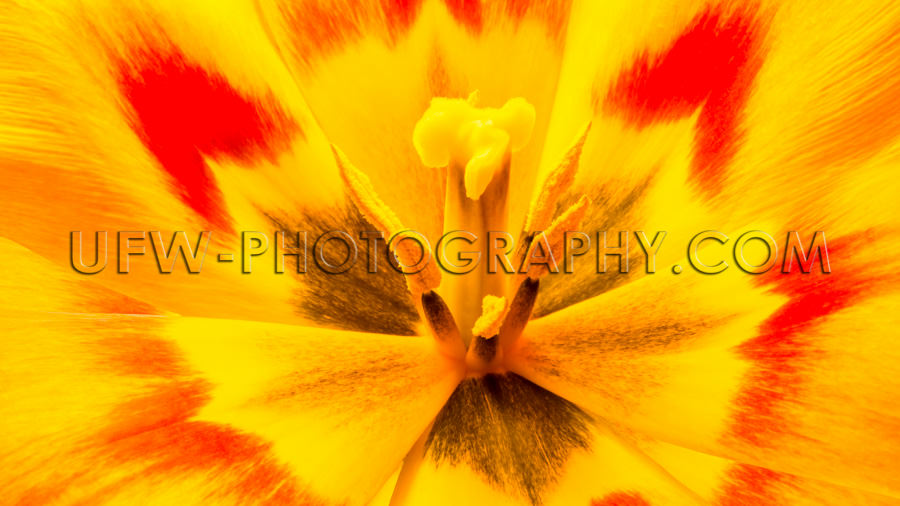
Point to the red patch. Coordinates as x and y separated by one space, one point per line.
151 441
553 14
517 9
621 499
318 28
236 465
780 349
750 485
467 12
132 352
98 299
400 13
475 14
711 65
161 407
184 112
155 434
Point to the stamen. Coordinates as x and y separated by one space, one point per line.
380 215
543 205
493 309
442 325
568 221
484 353
519 312
556 183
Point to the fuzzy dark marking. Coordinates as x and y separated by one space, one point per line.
655 338
486 348
514 434
519 310
344 379
592 347
612 213
356 299
438 316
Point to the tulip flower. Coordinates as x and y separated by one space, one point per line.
162 346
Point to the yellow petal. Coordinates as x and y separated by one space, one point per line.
209 411
790 372
720 481
35 285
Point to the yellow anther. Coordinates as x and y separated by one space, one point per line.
493 311
556 183
382 217
484 354
364 196
568 221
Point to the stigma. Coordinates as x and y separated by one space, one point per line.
456 132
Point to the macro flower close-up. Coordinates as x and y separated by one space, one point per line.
461 252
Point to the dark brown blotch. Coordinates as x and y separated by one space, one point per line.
514 434
356 299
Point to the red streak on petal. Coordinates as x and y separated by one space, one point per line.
711 65
780 349
467 12
320 28
184 112
246 469
400 13
750 485
517 9
133 354
621 499
439 82
158 409
151 440
98 299
476 14
156 434
554 14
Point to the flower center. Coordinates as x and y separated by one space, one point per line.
477 315
473 146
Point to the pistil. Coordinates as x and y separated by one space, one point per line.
473 145
476 217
